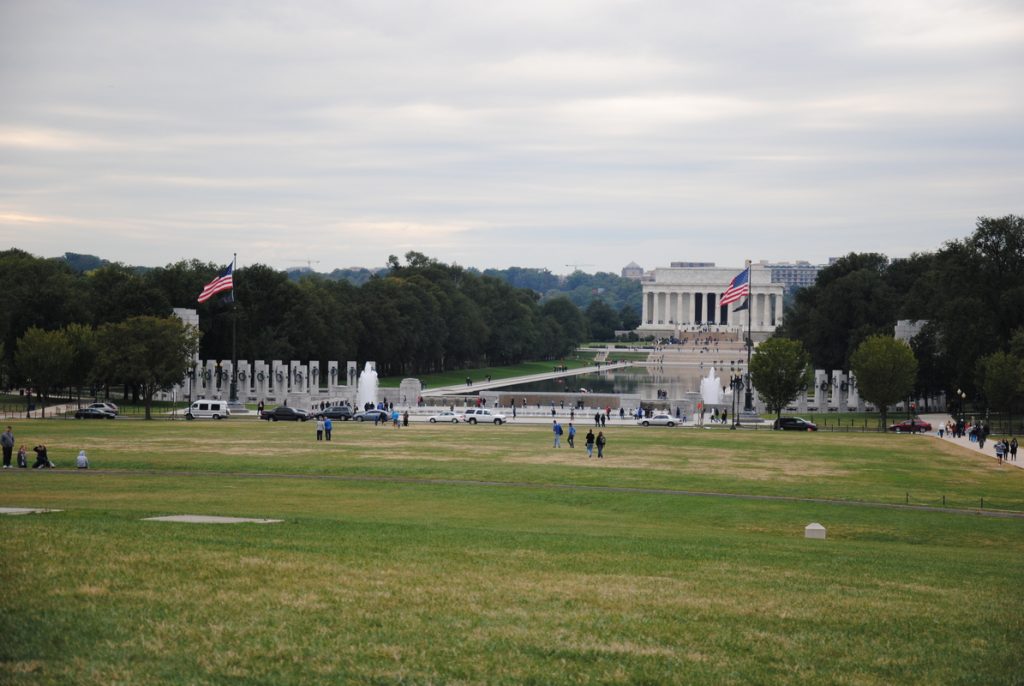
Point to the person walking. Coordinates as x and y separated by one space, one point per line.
328 425
320 429
1013 449
603 417
572 435
7 443
1000 451
590 443
405 418
597 419
601 440
557 430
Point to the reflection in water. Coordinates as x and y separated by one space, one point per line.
644 381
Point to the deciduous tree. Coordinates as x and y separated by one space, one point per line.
43 360
885 369
149 352
778 370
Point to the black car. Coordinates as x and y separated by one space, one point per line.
372 415
343 412
285 414
793 424
94 413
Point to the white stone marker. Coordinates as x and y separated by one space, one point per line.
814 530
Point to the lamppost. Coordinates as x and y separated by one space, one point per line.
736 384
963 400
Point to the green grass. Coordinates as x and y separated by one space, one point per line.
387 581
573 361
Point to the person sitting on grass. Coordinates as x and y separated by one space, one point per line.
42 459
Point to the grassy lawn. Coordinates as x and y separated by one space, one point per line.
379 575
573 361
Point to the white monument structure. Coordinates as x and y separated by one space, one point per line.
680 299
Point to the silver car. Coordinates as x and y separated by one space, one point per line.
660 419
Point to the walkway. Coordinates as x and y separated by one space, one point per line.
462 389
937 420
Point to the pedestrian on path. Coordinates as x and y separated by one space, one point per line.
1013 449
7 443
1000 451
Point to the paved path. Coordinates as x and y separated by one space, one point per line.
937 420
462 389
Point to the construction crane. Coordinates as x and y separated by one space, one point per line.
576 267
308 262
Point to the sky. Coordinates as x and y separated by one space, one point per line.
493 134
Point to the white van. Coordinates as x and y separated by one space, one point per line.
206 409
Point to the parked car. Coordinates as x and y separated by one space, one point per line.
208 409
109 407
372 415
911 426
448 416
793 424
660 419
285 414
343 412
482 414
94 413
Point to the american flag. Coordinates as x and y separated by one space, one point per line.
223 282
738 288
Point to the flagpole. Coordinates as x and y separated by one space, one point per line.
748 400
233 397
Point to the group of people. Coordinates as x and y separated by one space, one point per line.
978 432
42 455
591 440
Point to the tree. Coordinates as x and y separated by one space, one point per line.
778 370
1001 378
43 359
150 352
83 359
885 369
603 320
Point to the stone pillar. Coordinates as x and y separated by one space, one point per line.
279 380
409 391
820 381
844 391
837 375
673 308
225 379
244 380
261 379
712 301
854 399
210 379
352 373
314 377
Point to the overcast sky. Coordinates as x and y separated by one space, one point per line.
491 134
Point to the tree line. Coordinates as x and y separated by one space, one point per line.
419 316
971 294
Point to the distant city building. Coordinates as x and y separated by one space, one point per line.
793 275
690 265
633 271
906 329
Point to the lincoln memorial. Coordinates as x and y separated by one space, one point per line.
680 299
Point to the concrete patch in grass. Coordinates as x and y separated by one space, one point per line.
24 510
207 519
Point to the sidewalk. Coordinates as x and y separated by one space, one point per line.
460 389
937 420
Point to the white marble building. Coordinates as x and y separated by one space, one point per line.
678 299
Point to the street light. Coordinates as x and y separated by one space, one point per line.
736 384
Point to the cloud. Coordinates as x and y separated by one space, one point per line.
499 134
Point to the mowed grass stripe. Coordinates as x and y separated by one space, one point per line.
93 473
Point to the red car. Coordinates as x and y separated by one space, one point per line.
911 426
